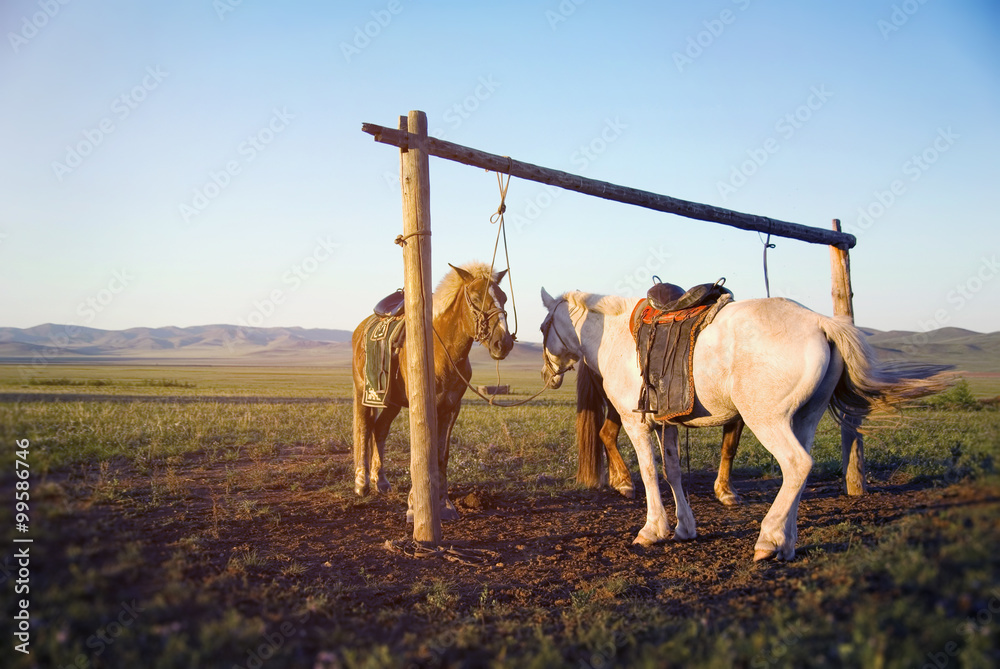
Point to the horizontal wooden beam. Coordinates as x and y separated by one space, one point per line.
608 191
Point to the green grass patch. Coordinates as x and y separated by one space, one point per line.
147 581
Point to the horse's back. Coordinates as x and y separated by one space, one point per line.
761 350
755 326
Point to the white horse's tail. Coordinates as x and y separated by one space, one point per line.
869 384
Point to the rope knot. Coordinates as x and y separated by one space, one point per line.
401 239
498 216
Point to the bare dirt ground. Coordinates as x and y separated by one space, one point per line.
544 541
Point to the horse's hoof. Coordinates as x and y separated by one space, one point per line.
685 535
645 539
449 513
360 490
627 492
761 554
730 499
409 516
383 486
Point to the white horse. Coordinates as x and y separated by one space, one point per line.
770 361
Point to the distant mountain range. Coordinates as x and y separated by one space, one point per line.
966 350
225 340
232 344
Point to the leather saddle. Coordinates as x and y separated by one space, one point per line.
384 336
671 297
665 327
391 305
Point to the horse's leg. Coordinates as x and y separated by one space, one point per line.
788 433
730 441
779 529
446 421
672 470
621 478
363 417
657 528
379 434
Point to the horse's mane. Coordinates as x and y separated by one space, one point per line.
451 284
609 305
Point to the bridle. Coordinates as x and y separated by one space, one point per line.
546 329
481 317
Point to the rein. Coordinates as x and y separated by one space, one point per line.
489 400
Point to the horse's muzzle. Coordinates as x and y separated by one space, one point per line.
551 381
500 347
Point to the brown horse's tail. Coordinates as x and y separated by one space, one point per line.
362 428
590 399
869 384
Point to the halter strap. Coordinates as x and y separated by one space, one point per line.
546 328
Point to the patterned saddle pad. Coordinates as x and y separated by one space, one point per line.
383 339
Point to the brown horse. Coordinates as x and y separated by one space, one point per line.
468 307
591 404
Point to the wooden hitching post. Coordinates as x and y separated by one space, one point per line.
851 441
416 187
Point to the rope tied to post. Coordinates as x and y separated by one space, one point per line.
401 239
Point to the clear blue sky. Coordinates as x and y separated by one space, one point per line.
199 162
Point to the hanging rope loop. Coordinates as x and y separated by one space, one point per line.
767 245
482 322
495 219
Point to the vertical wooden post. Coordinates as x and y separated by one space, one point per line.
852 443
416 187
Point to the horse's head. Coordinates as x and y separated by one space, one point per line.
560 342
485 302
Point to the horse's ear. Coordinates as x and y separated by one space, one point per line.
501 275
466 276
547 299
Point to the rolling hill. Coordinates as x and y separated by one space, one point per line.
56 343
232 344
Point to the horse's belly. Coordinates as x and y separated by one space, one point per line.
710 421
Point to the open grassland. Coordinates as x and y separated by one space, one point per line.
191 381
305 381
183 381
208 533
